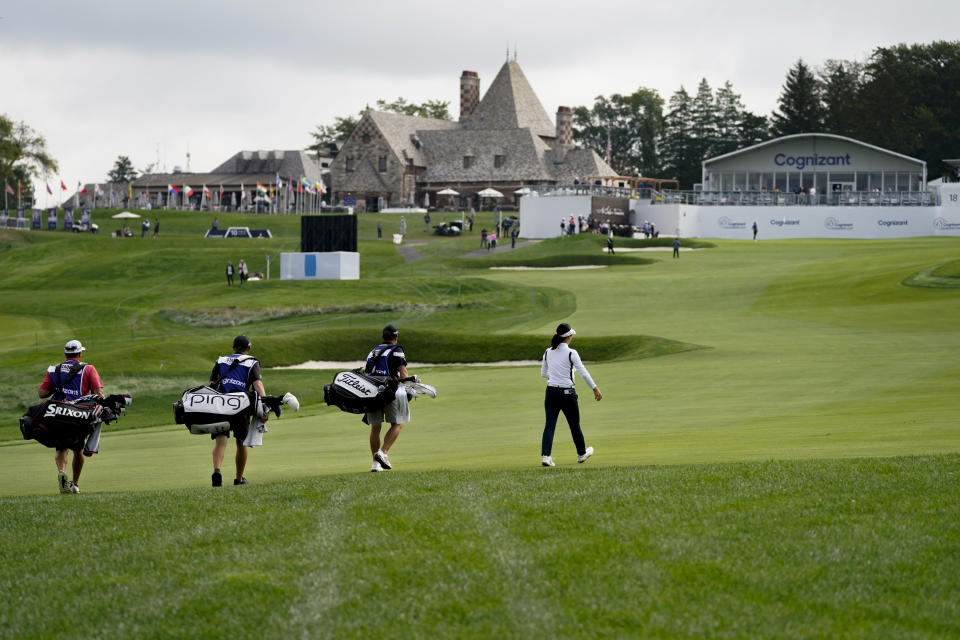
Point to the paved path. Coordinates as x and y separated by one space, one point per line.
408 253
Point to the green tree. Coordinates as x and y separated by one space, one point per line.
729 115
704 121
122 171
800 109
324 136
679 157
841 81
23 153
632 124
438 109
909 101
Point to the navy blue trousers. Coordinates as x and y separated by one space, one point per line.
555 401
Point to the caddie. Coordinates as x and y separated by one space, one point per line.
69 381
237 372
387 359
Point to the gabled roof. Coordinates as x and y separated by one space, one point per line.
794 136
284 163
510 103
398 128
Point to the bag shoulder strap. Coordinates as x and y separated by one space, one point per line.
368 367
75 368
216 384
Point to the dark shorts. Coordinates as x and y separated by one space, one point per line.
239 432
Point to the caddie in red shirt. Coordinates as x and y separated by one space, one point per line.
69 381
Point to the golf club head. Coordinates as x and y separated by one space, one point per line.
291 401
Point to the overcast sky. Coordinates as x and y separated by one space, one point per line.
156 80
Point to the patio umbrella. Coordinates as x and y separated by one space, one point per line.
124 214
490 192
449 193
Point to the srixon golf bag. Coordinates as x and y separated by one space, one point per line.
359 392
204 410
72 425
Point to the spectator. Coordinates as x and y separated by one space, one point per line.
229 274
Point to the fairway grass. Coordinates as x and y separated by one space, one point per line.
777 450
811 549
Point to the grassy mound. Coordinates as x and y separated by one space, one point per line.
944 276
585 249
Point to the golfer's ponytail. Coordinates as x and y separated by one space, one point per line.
563 329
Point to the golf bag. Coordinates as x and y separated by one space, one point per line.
359 392
206 411
72 425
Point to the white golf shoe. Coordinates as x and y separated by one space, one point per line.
547 461
381 457
586 455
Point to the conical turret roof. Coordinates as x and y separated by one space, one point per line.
510 103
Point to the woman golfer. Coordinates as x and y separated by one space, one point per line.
559 361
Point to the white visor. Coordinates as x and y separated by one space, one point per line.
569 333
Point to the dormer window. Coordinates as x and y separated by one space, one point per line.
499 161
382 163
349 164
467 162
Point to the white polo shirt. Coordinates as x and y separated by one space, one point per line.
558 365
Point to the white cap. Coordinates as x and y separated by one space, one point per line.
73 346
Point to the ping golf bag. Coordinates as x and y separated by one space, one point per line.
359 392
206 411
72 425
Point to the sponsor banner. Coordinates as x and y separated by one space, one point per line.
52 219
37 213
3 218
68 219
605 208
85 217
816 222
834 224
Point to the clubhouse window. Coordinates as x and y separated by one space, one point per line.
499 161
467 162
349 164
382 163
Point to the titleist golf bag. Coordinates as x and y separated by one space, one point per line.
206 411
359 392
73 425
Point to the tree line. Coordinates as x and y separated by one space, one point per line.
902 98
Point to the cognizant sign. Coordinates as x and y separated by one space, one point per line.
802 162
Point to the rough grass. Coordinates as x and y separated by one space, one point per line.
857 548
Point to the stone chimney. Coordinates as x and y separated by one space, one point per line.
564 139
469 93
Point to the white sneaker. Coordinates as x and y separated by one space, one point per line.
547 461
376 467
62 482
381 457
586 454
74 488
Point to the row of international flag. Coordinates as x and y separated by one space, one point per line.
303 185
